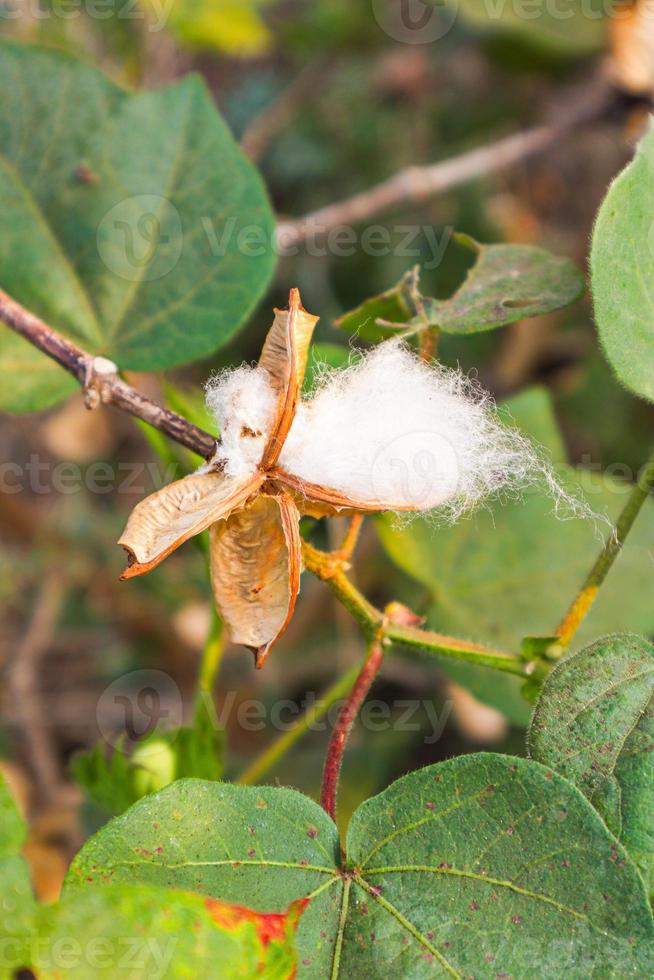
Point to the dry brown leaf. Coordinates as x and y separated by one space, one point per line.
255 571
284 357
166 519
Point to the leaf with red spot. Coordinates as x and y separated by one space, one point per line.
481 866
167 933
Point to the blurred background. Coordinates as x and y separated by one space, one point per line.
327 97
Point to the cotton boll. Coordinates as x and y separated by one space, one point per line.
409 435
243 403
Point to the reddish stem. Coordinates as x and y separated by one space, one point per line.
343 727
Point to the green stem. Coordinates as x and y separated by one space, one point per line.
586 596
447 646
374 623
274 752
211 657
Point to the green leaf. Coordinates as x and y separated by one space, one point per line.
121 218
507 283
117 778
262 847
567 29
622 271
100 932
105 776
322 356
473 867
395 306
594 723
16 897
511 570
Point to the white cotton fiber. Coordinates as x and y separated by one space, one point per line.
243 404
410 435
389 429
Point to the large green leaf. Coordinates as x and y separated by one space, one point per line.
594 723
511 570
120 221
479 866
507 283
165 933
16 896
622 271
144 932
261 847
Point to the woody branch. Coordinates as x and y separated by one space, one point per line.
100 380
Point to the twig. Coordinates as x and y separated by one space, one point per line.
373 622
25 679
100 380
276 117
588 592
344 723
280 747
417 183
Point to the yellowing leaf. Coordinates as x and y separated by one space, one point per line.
231 26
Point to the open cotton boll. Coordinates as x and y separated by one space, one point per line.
243 403
394 429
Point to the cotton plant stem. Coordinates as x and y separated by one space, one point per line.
351 538
100 380
315 713
588 593
344 723
374 622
